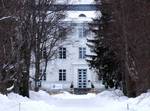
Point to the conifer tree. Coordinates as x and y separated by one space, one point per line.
103 59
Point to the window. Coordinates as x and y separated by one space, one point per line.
62 75
82 31
62 53
82 52
82 15
82 78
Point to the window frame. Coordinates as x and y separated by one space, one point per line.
62 53
62 74
82 52
82 30
82 78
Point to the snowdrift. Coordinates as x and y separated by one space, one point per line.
104 101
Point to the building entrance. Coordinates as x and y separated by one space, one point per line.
82 78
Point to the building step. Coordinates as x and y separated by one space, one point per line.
81 90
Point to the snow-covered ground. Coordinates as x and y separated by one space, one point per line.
104 101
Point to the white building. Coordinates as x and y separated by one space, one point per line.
71 67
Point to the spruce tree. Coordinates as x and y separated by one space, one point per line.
103 59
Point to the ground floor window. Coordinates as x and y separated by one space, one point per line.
62 74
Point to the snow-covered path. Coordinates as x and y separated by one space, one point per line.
104 101
76 103
69 102
89 102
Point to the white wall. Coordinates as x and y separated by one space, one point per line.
72 63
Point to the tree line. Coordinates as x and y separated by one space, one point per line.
121 45
29 35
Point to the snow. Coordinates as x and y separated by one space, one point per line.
10 88
5 17
104 101
81 1
8 17
74 16
76 1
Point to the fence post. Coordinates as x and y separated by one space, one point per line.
19 106
128 107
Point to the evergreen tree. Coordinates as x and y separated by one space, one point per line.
103 59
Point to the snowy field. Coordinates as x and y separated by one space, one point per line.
105 101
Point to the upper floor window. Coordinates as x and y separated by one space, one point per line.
62 53
62 75
82 31
82 52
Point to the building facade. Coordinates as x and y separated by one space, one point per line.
70 69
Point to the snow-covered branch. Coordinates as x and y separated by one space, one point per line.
8 17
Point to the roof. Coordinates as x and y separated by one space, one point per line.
75 1
74 7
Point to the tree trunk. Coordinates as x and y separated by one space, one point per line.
37 64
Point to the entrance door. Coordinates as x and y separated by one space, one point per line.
82 78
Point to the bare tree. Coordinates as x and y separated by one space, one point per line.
48 33
27 27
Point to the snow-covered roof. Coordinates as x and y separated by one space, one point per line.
75 16
76 1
